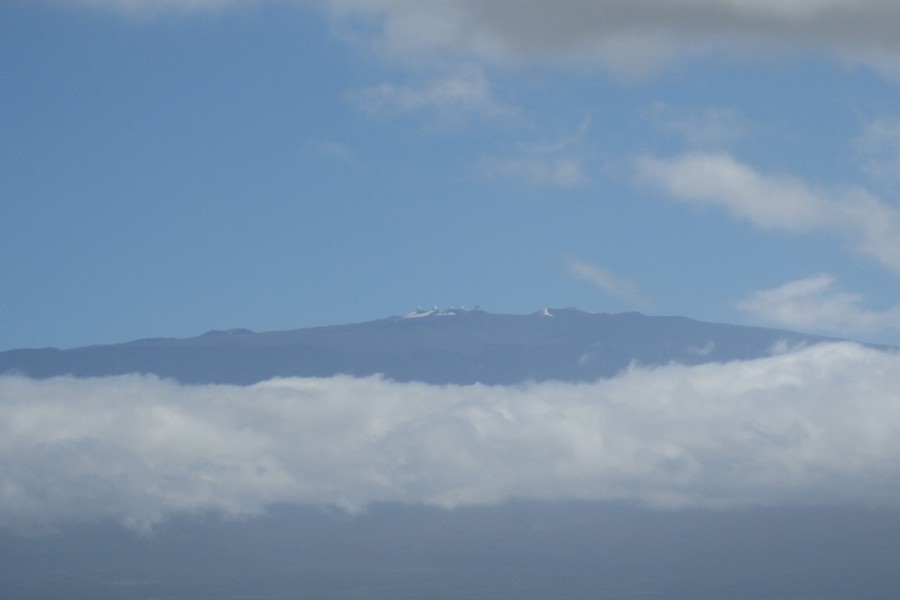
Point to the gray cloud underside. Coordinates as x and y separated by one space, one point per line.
632 36
626 35
819 424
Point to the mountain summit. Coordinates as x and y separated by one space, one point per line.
440 346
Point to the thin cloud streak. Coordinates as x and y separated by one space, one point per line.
562 172
818 425
605 280
443 102
879 148
558 163
335 150
710 127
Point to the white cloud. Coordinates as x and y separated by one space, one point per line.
719 180
443 102
779 202
813 304
605 280
820 425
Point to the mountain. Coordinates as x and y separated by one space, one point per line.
243 482
434 346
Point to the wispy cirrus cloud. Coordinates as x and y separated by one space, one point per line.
443 102
818 425
779 202
606 281
814 304
564 172
332 150
879 147
704 128
557 163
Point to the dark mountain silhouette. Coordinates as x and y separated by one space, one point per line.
437 346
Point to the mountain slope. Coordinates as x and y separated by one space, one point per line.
440 346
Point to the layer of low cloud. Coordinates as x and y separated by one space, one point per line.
622 35
819 425
814 304
777 202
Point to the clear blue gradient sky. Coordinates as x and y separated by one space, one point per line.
167 168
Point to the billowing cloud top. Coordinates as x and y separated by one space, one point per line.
818 425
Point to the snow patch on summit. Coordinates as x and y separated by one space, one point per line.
435 312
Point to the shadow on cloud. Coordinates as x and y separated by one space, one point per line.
818 425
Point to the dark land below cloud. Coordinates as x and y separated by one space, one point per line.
517 551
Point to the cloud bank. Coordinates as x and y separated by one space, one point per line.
819 425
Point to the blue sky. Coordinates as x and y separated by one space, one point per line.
167 168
